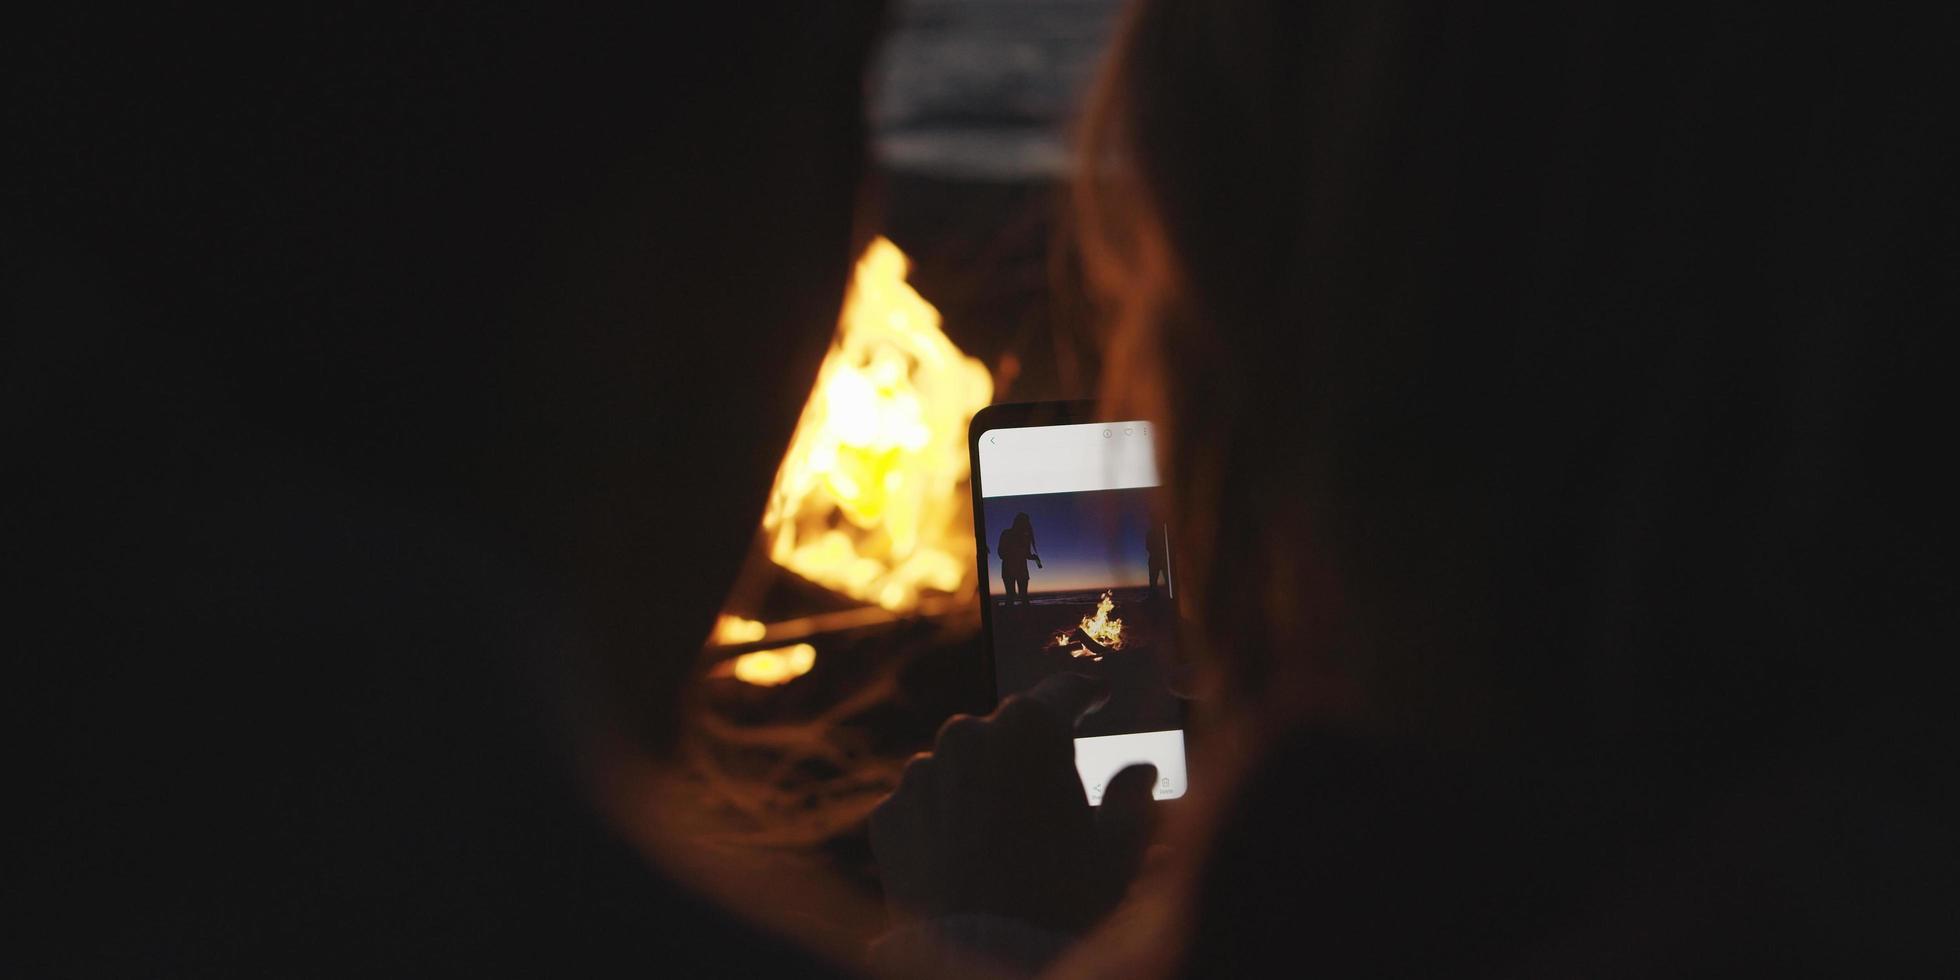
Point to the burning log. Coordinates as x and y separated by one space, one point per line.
1098 649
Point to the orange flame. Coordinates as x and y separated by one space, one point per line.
1103 629
770 668
868 501
735 629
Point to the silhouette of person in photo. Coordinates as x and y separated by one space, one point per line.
1016 547
1154 542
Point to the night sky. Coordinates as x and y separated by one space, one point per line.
1091 540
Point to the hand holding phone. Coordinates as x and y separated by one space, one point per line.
993 820
1041 810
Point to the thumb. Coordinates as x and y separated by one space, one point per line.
1126 820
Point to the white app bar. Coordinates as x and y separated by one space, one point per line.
1066 458
1099 759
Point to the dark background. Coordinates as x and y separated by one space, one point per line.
973 103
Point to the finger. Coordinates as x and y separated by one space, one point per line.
959 737
913 804
1069 696
916 774
1127 819
896 841
1032 738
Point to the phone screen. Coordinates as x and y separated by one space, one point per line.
1076 566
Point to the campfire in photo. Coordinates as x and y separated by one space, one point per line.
1101 633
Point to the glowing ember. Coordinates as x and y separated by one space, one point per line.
730 630
868 501
1064 638
1084 651
769 668
1101 628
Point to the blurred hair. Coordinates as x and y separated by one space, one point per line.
1526 373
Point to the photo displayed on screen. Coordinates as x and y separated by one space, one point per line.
1081 582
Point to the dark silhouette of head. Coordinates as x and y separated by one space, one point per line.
373 364
1546 396
1521 374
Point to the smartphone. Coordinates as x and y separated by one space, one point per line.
1076 574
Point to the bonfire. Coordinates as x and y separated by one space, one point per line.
1100 634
